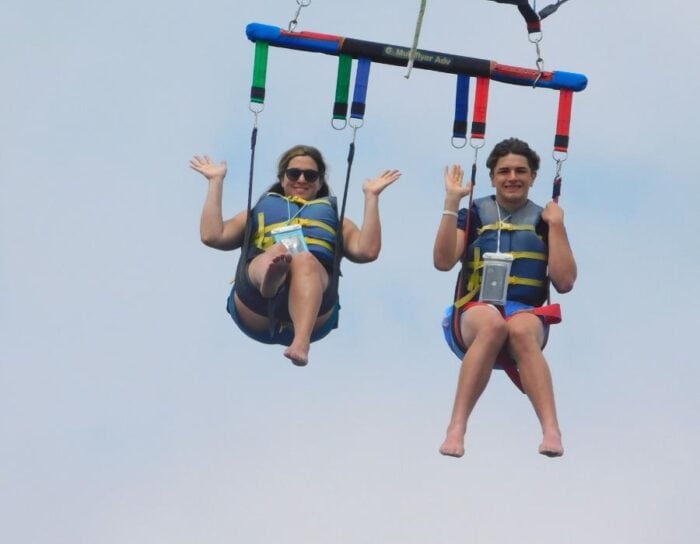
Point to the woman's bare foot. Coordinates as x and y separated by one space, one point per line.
453 445
298 353
276 273
551 445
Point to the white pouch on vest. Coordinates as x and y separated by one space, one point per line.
292 237
494 278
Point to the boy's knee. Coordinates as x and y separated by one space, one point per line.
525 330
495 330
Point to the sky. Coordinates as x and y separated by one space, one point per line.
133 410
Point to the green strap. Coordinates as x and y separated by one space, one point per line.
257 91
342 87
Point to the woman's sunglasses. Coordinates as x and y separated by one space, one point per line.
295 173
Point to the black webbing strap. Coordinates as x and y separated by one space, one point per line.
248 233
335 278
530 15
545 12
249 213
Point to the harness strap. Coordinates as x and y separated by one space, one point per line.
551 8
357 111
481 103
342 90
359 97
303 221
257 90
268 242
512 280
530 15
507 227
561 139
459 127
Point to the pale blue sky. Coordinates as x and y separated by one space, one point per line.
131 408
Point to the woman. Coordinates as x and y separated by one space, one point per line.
280 297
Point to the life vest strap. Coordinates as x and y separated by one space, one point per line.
316 242
517 280
507 227
535 255
260 235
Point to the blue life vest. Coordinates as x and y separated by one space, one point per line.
318 219
527 282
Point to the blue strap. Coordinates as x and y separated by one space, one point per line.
459 128
359 97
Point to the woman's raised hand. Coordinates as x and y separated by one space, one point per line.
208 168
376 185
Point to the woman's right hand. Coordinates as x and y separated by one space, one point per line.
208 168
454 178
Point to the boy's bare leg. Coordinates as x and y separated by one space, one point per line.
484 332
525 338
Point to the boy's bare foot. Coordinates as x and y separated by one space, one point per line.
276 273
298 353
551 445
453 445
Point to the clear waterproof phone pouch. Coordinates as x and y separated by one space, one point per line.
494 278
292 237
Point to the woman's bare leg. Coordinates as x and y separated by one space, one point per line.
268 271
308 281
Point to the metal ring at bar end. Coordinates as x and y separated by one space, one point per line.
560 156
477 147
356 126
304 4
464 142
333 124
537 37
252 107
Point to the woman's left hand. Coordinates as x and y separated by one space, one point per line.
376 185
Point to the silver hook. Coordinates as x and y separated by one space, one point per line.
559 158
256 108
540 61
293 23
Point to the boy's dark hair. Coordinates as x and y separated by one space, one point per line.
516 147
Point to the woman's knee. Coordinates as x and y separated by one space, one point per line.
305 261
304 264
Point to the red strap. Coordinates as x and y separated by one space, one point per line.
312 35
481 103
561 139
521 73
